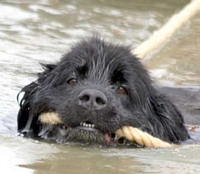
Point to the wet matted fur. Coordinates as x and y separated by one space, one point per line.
95 89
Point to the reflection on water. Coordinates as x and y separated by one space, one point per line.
20 155
41 31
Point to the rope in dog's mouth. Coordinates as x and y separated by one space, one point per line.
127 132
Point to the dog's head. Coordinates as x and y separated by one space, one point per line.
96 89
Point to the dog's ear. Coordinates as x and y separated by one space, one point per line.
25 117
171 119
24 103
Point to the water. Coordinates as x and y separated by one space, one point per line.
41 31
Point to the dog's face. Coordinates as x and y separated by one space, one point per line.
96 89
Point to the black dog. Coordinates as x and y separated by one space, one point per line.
96 89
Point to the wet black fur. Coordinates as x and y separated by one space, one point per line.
104 67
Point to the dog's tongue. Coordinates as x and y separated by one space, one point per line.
107 138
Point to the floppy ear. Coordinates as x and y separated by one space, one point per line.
25 118
24 111
171 119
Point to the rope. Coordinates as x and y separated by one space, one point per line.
142 138
50 118
130 133
160 36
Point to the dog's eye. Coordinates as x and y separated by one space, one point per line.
122 90
72 81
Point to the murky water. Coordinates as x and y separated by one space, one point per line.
42 30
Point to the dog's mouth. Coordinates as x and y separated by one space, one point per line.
85 132
107 138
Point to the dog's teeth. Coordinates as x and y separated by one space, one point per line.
87 125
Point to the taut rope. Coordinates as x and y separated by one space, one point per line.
174 23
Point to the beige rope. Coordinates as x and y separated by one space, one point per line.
49 118
160 36
130 133
140 137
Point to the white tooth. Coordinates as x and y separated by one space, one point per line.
84 124
92 125
89 125
81 124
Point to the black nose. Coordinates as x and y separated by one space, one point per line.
92 99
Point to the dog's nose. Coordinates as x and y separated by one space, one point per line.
92 99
